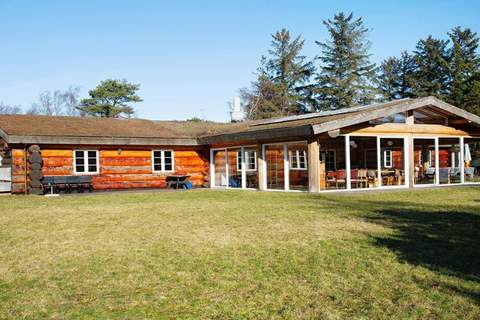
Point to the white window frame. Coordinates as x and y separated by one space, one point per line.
239 163
162 159
296 154
85 163
246 155
385 164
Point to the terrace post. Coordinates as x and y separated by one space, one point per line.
411 161
410 120
313 161
260 168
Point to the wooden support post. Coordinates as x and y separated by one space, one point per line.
410 119
313 166
411 160
462 160
261 168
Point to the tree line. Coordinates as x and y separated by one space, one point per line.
342 75
111 99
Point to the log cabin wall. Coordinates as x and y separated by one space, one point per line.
19 177
119 168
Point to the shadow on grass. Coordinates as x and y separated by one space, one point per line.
447 242
443 239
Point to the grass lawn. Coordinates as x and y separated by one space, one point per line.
241 254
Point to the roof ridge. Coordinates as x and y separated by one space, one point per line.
328 112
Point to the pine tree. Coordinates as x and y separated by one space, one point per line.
346 73
281 80
465 70
432 73
395 79
111 99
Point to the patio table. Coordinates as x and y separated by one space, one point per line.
177 181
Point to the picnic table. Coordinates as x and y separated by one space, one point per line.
178 182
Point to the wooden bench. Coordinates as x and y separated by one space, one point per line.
67 184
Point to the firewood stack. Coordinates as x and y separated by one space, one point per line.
35 170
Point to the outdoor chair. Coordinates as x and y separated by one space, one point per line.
455 176
372 178
430 174
331 179
362 180
341 178
470 172
398 177
444 174
354 177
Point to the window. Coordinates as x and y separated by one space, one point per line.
387 158
329 158
86 161
298 160
162 160
250 160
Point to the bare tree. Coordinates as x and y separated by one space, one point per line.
57 103
9 109
71 102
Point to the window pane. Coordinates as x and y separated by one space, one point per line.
252 160
239 161
251 174
79 161
220 168
234 176
448 155
168 160
424 160
363 162
92 168
471 158
274 158
157 160
298 176
302 160
92 154
332 166
393 168
293 160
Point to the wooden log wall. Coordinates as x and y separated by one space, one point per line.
19 166
119 169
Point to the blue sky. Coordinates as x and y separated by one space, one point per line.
190 57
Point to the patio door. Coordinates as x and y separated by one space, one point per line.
218 167
234 167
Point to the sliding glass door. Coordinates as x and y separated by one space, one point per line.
219 160
234 167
